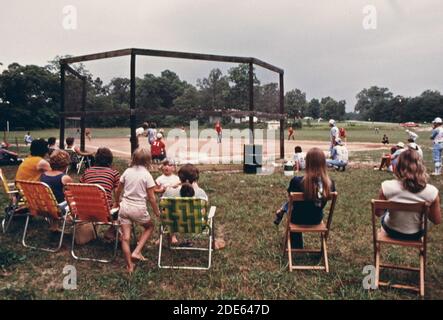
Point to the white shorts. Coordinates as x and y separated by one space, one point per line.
129 214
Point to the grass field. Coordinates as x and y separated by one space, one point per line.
251 266
356 132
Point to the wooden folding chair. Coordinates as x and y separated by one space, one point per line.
186 216
41 202
322 228
381 237
16 204
89 204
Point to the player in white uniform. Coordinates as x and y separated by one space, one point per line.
411 135
339 156
333 134
437 137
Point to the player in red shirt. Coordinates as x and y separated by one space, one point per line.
218 129
158 149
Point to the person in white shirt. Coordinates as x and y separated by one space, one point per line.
339 156
437 149
409 186
416 147
168 179
333 134
411 135
136 186
299 159
142 131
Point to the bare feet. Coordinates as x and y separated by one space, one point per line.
137 257
130 268
174 240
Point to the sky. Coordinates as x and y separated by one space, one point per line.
324 46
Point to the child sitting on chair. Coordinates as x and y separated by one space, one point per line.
299 159
56 178
168 179
316 186
71 147
136 186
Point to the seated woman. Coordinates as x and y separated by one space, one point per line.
34 165
316 187
409 186
56 178
102 173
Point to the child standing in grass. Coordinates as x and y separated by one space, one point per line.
136 185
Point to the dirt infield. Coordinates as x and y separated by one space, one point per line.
229 151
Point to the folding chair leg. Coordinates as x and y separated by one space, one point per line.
377 265
325 252
60 242
422 275
211 235
160 247
288 244
93 259
7 220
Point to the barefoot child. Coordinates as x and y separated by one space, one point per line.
137 185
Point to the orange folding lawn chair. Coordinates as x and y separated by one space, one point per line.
381 237
41 202
88 204
322 229
16 204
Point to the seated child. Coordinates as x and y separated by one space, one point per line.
299 159
168 178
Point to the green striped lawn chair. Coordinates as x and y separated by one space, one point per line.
186 216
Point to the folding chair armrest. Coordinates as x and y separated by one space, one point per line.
13 192
212 212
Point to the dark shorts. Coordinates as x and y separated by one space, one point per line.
400 236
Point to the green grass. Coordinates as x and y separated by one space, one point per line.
251 266
356 133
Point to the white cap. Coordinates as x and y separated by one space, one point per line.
407 130
437 120
159 135
400 144
338 141
332 121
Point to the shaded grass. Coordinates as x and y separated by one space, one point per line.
250 267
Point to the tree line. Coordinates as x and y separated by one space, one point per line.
30 98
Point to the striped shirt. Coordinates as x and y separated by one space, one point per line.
106 177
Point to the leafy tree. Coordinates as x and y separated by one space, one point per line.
332 109
314 108
214 90
29 97
372 103
239 92
296 104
